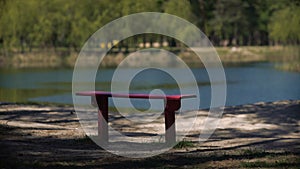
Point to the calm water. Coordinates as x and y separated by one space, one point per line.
245 84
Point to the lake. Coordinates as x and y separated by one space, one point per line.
245 84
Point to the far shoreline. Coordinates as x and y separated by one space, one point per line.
288 56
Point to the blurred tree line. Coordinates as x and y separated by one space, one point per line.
29 24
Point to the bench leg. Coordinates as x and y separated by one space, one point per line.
171 107
102 102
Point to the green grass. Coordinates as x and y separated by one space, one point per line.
258 158
184 144
253 152
41 58
267 164
85 140
289 66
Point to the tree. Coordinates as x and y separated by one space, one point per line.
203 12
285 22
230 21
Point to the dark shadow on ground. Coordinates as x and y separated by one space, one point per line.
19 149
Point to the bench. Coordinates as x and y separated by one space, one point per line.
172 103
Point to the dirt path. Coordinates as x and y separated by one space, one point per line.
248 136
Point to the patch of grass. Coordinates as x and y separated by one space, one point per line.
85 139
253 152
184 144
289 66
257 158
269 164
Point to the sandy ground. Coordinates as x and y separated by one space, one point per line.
247 136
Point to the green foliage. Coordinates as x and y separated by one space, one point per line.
285 23
29 24
180 8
